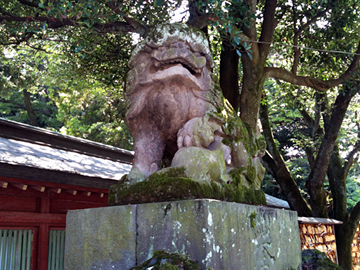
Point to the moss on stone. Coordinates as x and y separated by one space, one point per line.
172 184
252 219
313 259
236 175
163 32
163 260
251 173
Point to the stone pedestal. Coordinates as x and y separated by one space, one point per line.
216 234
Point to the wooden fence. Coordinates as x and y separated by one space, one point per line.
318 233
356 250
320 237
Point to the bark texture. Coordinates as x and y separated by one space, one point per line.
229 75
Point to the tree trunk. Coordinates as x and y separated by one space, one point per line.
29 108
229 75
337 181
315 182
251 92
344 236
278 169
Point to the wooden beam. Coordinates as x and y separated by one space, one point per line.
39 188
71 191
4 184
86 193
56 190
56 185
20 186
54 177
45 204
312 220
19 217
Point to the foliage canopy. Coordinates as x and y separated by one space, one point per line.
69 57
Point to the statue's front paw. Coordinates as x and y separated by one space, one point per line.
185 136
135 175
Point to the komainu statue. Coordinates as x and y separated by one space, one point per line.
175 106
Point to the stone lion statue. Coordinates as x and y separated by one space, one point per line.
175 107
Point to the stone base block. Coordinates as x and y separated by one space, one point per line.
216 234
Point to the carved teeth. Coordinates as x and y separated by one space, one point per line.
167 63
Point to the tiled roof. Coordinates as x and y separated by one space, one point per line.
28 154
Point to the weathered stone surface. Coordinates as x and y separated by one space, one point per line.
101 238
175 103
167 85
217 234
201 164
173 184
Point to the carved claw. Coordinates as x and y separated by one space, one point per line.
190 135
198 132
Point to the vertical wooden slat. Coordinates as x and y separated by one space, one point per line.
5 243
49 256
8 249
53 252
50 259
23 250
58 239
56 250
62 250
1 251
19 249
1 248
13 249
29 250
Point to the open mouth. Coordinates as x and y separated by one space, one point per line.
163 65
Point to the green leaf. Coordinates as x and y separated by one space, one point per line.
237 40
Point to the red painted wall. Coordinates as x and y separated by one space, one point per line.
30 208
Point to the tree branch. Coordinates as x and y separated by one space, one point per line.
268 29
279 170
52 23
289 77
349 161
140 28
312 82
318 172
250 30
355 215
202 20
17 41
28 3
